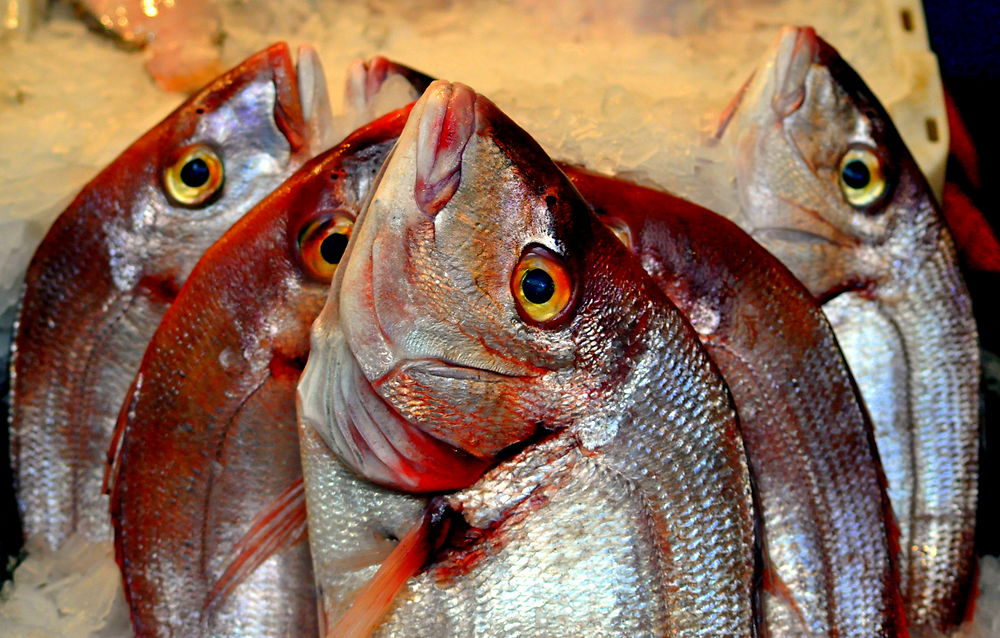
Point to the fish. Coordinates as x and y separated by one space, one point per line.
766 333
485 331
115 259
214 402
827 185
829 536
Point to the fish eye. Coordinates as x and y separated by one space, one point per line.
322 244
862 180
195 177
541 286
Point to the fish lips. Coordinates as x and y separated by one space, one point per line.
369 435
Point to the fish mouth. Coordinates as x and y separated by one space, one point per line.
449 370
301 105
370 436
366 78
314 99
798 48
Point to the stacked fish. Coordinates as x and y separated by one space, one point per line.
499 394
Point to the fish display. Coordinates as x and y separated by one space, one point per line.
483 312
809 442
827 185
114 260
434 382
220 374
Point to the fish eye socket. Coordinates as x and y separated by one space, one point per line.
862 179
322 244
541 286
195 177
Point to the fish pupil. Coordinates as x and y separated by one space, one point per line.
195 173
332 248
537 286
856 174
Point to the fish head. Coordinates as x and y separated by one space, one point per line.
183 183
825 181
481 304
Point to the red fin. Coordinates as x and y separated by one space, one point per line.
977 246
961 147
118 436
376 597
275 529
734 104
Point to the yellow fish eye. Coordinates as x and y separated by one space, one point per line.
541 286
195 177
862 179
322 244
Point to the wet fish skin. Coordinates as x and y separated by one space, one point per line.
800 115
430 327
112 263
829 533
214 403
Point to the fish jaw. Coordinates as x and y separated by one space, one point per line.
109 267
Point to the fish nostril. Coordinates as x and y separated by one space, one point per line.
445 127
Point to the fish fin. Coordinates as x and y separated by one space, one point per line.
734 104
114 458
977 246
276 528
376 597
961 146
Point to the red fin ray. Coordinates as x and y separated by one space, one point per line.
376 597
275 529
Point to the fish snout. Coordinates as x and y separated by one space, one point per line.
446 123
797 50
314 99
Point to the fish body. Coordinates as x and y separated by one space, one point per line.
827 185
828 531
429 365
214 403
114 260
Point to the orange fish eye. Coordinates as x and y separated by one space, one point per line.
322 244
195 177
541 285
